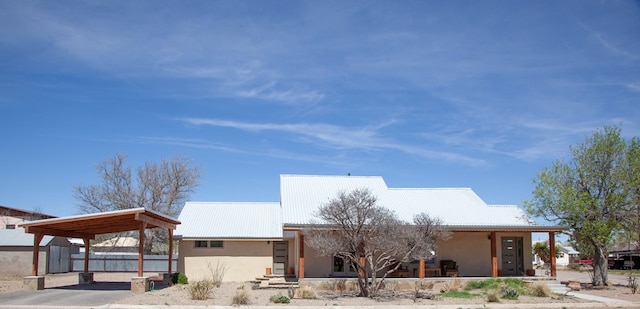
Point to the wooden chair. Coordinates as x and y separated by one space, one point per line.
449 268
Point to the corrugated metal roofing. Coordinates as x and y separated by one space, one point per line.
301 195
19 238
230 220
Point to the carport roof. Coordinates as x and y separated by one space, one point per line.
89 225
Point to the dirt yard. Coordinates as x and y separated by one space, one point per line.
396 295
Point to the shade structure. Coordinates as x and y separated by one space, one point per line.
89 225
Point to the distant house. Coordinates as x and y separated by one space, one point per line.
251 239
10 217
16 252
119 245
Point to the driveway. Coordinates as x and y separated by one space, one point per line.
100 293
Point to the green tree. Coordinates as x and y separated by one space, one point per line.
541 249
595 193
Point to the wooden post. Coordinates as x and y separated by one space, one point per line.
37 238
494 255
301 256
87 247
421 269
552 253
170 249
143 226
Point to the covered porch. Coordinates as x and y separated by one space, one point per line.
472 252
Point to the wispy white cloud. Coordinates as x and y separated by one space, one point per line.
340 137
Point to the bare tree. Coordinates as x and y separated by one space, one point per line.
159 186
371 238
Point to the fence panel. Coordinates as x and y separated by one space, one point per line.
123 263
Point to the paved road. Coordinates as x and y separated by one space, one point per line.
100 293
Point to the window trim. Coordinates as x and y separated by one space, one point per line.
208 244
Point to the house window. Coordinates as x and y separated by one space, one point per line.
201 244
10 226
208 244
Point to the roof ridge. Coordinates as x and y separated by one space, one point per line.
333 176
435 188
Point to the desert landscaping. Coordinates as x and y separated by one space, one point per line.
331 293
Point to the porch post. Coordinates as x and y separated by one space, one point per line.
143 226
87 244
170 249
421 269
300 256
494 255
37 238
552 253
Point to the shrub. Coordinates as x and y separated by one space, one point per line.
633 283
241 297
201 290
179 278
492 297
509 293
217 273
305 292
539 290
279 299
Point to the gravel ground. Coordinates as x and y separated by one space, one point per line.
179 295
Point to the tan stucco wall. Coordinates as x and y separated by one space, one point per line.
470 250
244 260
18 263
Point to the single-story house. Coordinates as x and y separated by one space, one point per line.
16 253
250 239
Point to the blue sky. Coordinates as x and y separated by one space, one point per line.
479 94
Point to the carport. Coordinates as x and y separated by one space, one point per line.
90 225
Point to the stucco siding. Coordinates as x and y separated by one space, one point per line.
244 260
316 266
471 251
17 261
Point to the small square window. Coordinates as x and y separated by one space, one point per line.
201 244
215 244
10 226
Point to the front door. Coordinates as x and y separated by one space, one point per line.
512 256
280 257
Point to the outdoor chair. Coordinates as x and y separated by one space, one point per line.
449 268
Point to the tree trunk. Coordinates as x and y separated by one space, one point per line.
600 267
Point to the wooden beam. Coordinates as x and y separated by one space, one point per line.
37 238
155 222
87 249
53 232
143 227
552 253
421 269
170 249
301 256
494 255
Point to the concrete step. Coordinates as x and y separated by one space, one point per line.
556 287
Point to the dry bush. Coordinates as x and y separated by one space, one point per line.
305 292
539 290
492 297
241 297
201 290
217 273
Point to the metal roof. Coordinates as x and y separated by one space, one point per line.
230 221
301 195
19 238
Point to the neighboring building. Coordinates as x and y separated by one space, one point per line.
16 253
117 245
248 238
10 217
